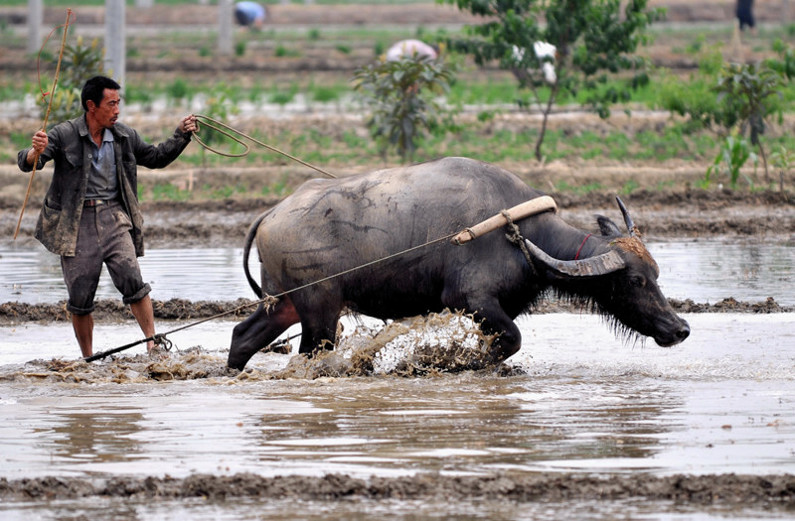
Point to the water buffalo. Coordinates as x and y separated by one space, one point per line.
327 227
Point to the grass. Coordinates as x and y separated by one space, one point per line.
493 91
563 186
344 147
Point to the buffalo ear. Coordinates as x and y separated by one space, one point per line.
607 227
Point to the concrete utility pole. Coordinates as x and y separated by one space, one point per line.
35 18
225 14
115 40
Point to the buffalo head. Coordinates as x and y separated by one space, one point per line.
620 281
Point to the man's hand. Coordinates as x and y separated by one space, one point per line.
38 144
188 124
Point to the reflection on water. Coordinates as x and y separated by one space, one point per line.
88 435
703 270
383 425
33 275
708 271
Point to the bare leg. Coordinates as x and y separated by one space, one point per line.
84 332
144 314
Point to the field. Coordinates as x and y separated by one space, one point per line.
291 89
289 86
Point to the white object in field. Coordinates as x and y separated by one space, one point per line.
542 50
410 48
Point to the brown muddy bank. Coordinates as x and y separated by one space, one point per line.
768 491
671 213
108 310
659 214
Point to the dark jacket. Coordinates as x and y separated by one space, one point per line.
71 148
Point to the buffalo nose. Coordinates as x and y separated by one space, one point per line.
683 332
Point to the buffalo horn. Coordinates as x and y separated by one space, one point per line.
589 267
627 219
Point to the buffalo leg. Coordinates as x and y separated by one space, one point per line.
494 321
259 330
318 331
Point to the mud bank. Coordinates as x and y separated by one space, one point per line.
663 214
108 310
774 490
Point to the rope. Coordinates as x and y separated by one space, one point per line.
579 250
230 132
269 300
515 236
49 107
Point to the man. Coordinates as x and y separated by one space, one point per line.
745 14
250 14
90 214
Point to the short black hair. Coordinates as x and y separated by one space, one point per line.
94 90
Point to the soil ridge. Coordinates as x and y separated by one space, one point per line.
175 309
735 489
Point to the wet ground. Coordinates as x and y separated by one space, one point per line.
577 424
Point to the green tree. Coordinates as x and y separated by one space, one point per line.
80 62
753 91
402 97
594 42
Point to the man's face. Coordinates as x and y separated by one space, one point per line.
107 113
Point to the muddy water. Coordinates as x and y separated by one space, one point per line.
574 400
704 271
574 404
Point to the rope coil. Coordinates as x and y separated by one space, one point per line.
233 133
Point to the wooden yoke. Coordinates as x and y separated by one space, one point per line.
518 212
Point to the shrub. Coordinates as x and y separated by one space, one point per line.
79 63
240 48
400 95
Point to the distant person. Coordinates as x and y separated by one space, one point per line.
745 14
250 14
409 49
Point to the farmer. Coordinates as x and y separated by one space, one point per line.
745 14
250 14
90 214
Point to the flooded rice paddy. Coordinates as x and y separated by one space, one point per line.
578 425
705 270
